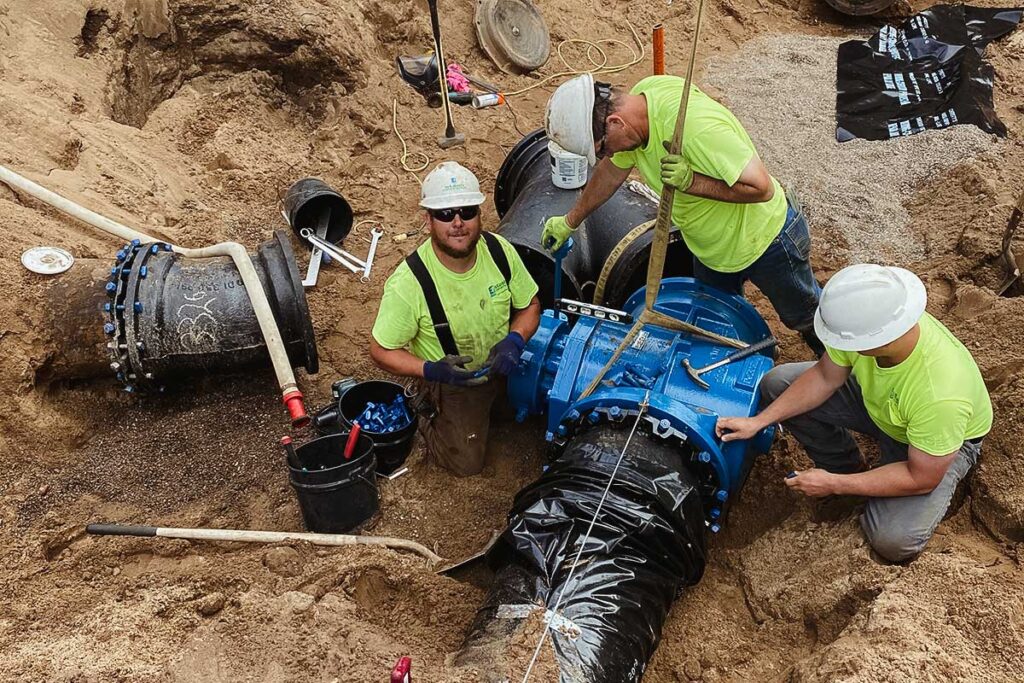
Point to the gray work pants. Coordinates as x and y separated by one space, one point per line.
897 528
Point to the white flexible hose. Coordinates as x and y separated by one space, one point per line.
238 253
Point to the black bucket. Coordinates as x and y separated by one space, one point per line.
392 448
342 496
307 198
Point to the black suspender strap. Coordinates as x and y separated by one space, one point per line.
500 260
437 315
498 256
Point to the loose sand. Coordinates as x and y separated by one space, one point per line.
189 117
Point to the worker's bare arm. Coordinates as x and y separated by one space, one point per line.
754 185
809 391
526 320
918 475
396 361
604 181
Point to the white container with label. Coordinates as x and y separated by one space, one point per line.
568 170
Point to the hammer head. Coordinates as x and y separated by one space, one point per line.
694 375
445 142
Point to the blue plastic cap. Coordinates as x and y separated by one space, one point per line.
154 249
594 417
135 242
167 247
120 256
721 495
716 513
109 328
715 528
143 271
138 307
704 456
615 411
562 430
110 287
106 307
113 271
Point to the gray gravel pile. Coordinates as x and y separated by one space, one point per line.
783 90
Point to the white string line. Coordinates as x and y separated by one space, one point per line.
586 536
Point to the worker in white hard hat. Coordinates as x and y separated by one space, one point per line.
456 314
733 215
894 373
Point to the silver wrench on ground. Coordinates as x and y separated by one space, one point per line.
375 236
351 258
328 248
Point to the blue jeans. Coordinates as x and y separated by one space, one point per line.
783 272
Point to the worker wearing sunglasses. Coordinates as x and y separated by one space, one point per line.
456 314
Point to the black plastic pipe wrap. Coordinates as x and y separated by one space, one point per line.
525 198
927 73
646 546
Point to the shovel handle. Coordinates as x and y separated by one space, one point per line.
120 530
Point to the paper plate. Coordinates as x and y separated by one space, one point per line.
47 260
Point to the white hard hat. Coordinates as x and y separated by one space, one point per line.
866 306
450 185
569 117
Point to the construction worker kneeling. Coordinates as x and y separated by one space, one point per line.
894 373
457 314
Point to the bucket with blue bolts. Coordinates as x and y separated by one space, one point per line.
383 413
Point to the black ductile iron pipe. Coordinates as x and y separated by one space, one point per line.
525 198
168 315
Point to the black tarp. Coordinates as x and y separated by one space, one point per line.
928 72
647 544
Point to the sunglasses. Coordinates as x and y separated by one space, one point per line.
466 213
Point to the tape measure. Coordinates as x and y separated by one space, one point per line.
615 255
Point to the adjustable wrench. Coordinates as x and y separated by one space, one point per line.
375 236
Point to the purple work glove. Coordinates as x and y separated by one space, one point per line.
504 356
449 370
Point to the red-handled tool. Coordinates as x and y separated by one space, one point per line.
353 436
402 673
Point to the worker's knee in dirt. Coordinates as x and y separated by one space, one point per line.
774 383
890 543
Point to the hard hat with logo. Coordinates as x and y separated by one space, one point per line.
569 116
866 306
450 185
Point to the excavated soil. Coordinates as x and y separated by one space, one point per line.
189 118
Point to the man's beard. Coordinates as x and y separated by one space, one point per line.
456 253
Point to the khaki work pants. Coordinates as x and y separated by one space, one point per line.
457 436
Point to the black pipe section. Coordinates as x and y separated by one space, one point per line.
525 198
646 545
166 315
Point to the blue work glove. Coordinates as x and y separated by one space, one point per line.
675 171
504 356
449 370
556 232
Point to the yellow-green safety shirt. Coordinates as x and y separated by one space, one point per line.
934 400
476 303
725 236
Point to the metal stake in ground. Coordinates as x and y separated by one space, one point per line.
450 137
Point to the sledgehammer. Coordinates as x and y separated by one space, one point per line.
695 373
